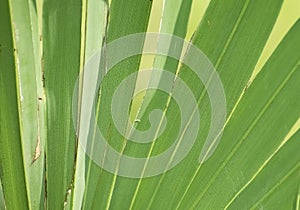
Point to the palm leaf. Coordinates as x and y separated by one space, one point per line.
22 112
53 106
61 64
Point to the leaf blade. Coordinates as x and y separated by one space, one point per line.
61 65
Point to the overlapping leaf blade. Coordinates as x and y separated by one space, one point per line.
245 152
61 64
175 21
236 176
24 109
96 21
230 42
101 182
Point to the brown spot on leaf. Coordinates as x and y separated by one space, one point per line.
37 152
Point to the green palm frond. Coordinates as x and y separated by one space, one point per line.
51 104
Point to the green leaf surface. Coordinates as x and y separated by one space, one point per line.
96 21
174 21
24 82
49 96
100 182
280 191
11 159
230 41
136 17
61 65
245 152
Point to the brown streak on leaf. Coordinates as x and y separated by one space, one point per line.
37 152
